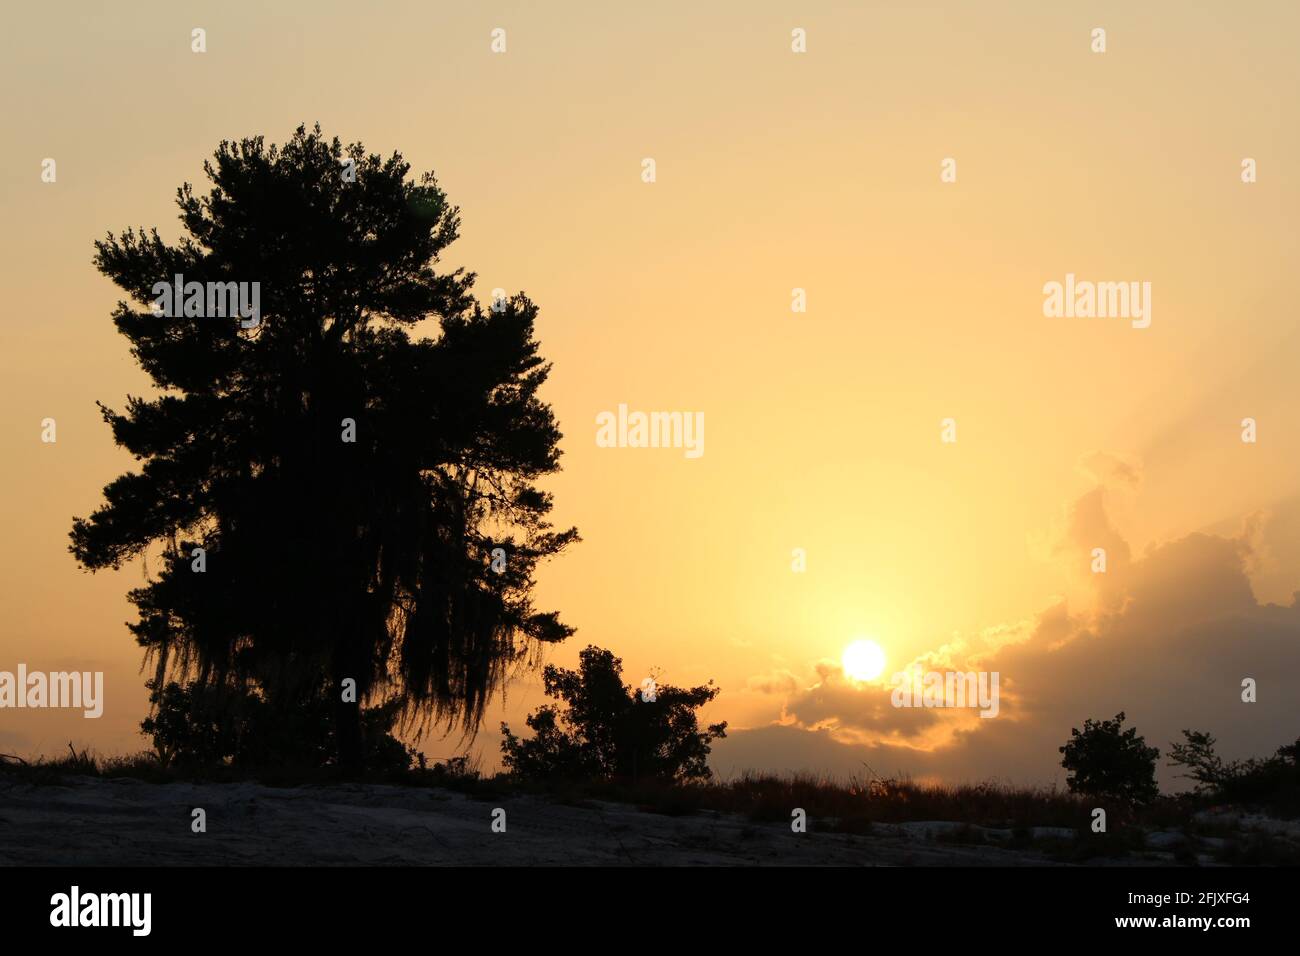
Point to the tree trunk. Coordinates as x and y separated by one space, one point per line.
347 737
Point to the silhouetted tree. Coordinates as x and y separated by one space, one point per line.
1272 782
1196 755
607 731
1104 761
329 559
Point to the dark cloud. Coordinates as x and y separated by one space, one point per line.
1169 642
838 702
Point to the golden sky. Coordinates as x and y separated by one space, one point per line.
774 171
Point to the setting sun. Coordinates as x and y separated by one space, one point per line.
863 660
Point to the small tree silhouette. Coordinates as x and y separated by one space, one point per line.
1104 761
1272 782
1196 755
608 731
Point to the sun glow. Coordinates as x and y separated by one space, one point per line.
863 660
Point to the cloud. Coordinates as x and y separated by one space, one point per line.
1169 639
1089 528
776 682
1111 471
854 711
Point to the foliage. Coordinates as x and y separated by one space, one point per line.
328 559
1105 761
1196 754
195 726
606 731
1271 782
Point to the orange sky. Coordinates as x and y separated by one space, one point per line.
775 170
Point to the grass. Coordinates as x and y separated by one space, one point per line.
769 798
850 806
832 806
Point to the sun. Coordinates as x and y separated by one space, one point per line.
863 660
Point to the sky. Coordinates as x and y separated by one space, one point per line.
774 170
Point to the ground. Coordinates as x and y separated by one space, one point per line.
103 821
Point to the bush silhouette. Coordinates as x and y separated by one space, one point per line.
1272 782
1104 761
189 726
194 726
606 731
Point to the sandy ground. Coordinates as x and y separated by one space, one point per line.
89 821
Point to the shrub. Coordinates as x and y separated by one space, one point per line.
195 727
606 731
1104 761
1272 782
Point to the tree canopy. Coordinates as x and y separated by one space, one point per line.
329 553
1105 761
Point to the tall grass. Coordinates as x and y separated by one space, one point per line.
851 805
